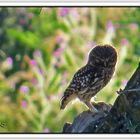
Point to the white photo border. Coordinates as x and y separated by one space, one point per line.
75 3
96 3
70 136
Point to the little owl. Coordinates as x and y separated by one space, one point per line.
92 77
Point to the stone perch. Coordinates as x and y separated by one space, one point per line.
122 117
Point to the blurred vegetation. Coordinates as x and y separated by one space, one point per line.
40 50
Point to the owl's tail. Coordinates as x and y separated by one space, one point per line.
68 96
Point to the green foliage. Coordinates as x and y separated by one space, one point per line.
41 48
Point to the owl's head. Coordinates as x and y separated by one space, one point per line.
103 56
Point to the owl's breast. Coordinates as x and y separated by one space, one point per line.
107 74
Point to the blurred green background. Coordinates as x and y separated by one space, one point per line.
41 49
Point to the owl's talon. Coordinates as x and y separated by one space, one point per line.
94 110
91 107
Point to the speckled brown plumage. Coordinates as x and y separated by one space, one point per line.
91 78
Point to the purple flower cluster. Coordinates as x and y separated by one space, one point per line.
33 62
59 39
58 52
64 12
9 60
46 130
23 104
24 89
34 81
124 42
110 25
